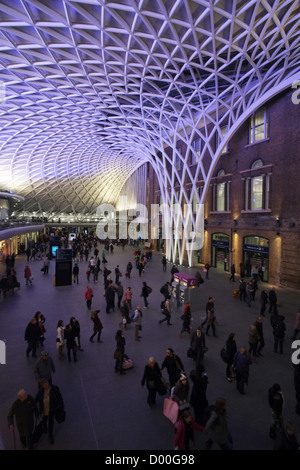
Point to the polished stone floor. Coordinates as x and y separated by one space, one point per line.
106 411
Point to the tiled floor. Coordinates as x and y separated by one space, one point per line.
106 411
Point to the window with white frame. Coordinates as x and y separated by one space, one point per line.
258 126
220 193
220 137
196 146
257 189
178 159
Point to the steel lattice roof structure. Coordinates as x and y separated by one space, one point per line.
94 89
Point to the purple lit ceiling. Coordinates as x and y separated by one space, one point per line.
91 90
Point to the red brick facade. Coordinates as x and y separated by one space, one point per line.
280 221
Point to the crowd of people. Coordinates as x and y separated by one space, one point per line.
187 389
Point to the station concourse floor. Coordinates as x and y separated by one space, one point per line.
108 412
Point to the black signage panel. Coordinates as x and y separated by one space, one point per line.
64 254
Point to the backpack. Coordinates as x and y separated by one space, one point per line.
207 413
132 317
149 290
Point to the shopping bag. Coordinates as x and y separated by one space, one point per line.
171 409
60 415
38 431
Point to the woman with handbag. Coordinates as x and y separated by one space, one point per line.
119 352
152 377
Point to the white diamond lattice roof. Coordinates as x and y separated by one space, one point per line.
94 88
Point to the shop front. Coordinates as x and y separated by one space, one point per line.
220 251
256 257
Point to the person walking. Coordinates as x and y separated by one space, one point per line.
128 297
97 326
24 411
119 292
210 318
129 269
242 289
164 263
198 398
184 431
49 399
260 331
76 273
118 274
253 342
46 265
28 275
71 344
164 290
232 271
249 293
41 322
137 319
32 337
279 328
152 377
76 329
231 349
263 302
198 346
217 424
110 294
120 351
186 318
44 368
241 364
167 311
206 270
272 300
88 295
276 403
60 339
200 279
174 366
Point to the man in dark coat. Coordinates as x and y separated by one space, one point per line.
32 336
273 300
241 365
49 400
174 366
198 346
263 301
24 410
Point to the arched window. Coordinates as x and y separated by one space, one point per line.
257 188
220 193
258 126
